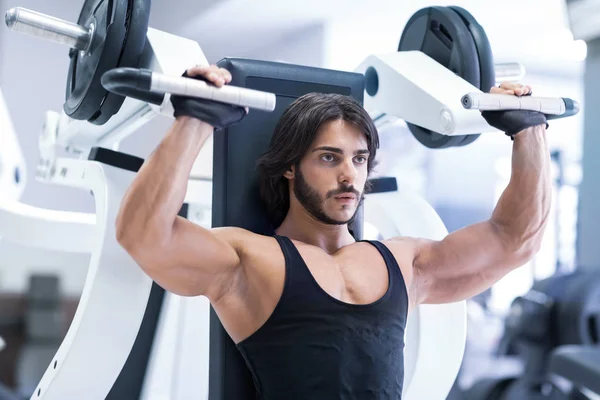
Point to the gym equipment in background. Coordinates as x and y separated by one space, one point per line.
557 315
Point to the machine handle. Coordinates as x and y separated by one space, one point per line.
553 107
138 83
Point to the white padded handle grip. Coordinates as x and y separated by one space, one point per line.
494 102
242 97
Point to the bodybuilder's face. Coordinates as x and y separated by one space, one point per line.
330 181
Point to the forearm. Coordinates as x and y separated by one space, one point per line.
522 211
152 202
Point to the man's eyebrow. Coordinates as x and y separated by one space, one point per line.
329 148
338 150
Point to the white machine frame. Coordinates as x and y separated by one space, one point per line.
414 87
11 157
116 290
115 294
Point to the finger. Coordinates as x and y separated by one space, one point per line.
497 90
220 74
209 72
517 89
214 75
510 85
216 79
523 90
225 74
197 70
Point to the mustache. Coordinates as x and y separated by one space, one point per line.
343 190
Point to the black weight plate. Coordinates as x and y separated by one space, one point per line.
487 72
138 15
85 93
467 139
441 33
432 140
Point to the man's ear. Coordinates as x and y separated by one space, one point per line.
289 174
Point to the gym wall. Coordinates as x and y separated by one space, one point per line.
34 82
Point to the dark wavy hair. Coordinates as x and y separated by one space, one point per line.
293 136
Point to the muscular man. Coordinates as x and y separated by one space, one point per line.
315 313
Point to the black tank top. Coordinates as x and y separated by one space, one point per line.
314 346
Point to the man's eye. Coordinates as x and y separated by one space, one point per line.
327 157
361 159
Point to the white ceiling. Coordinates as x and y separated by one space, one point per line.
534 32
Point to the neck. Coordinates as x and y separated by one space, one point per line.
301 226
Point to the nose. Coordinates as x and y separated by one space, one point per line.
347 172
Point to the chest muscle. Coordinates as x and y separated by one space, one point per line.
356 276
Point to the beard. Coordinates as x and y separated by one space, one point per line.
313 202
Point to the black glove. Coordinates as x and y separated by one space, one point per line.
512 122
219 115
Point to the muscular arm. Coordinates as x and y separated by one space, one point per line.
470 260
182 257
